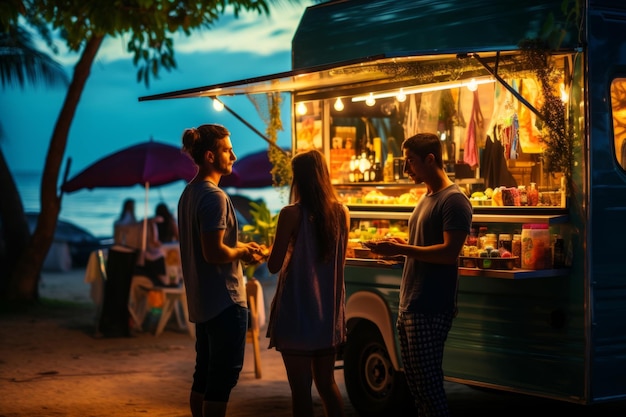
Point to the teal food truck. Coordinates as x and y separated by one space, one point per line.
529 100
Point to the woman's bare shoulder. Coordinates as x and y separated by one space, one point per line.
290 210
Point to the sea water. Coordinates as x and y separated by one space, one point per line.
96 210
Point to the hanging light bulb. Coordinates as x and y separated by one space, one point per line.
401 97
472 85
370 100
217 105
301 109
338 104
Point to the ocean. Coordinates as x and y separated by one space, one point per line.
96 210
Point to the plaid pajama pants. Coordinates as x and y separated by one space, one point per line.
422 338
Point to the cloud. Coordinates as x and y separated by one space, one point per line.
109 115
249 33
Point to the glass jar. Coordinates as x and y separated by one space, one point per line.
505 243
516 249
535 246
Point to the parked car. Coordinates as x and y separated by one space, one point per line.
68 237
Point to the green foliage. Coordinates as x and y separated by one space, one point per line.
269 111
147 24
558 135
263 227
281 162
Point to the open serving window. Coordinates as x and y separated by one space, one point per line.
483 106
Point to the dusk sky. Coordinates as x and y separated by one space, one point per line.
110 117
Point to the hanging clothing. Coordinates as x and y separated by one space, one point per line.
494 168
470 149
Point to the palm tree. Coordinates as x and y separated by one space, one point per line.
21 63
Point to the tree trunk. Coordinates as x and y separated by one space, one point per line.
14 232
28 269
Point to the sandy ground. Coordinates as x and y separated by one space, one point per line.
52 365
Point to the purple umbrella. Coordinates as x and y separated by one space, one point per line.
149 164
250 171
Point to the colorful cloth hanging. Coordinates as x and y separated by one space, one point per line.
470 149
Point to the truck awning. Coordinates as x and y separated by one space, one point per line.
348 77
344 47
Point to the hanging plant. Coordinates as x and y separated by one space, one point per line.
280 160
558 134
557 137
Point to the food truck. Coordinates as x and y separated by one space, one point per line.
529 100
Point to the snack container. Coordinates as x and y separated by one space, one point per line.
488 262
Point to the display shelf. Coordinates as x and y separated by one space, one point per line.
374 263
543 215
398 212
513 273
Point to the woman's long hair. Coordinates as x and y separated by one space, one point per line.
311 187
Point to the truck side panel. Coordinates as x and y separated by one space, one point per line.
606 242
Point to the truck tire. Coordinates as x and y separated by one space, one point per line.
374 387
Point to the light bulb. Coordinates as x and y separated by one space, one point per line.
472 85
401 97
564 95
218 105
301 109
370 100
339 104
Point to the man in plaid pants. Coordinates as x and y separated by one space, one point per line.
438 228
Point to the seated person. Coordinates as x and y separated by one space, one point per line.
166 224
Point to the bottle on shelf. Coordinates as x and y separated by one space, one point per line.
364 166
482 237
371 172
523 195
516 249
505 243
533 195
558 251
352 174
388 168
471 239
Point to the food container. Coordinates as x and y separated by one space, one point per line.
536 250
505 242
487 263
362 253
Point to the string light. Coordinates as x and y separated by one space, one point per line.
301 109
339 104
401 97
217 105
371 97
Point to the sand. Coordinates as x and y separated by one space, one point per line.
52 365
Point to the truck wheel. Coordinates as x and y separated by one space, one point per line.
373 385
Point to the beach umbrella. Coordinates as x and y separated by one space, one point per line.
149 164
251 171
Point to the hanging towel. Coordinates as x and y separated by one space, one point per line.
470 149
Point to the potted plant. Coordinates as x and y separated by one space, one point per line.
261 229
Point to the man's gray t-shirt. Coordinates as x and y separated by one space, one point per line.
211 288
428 287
